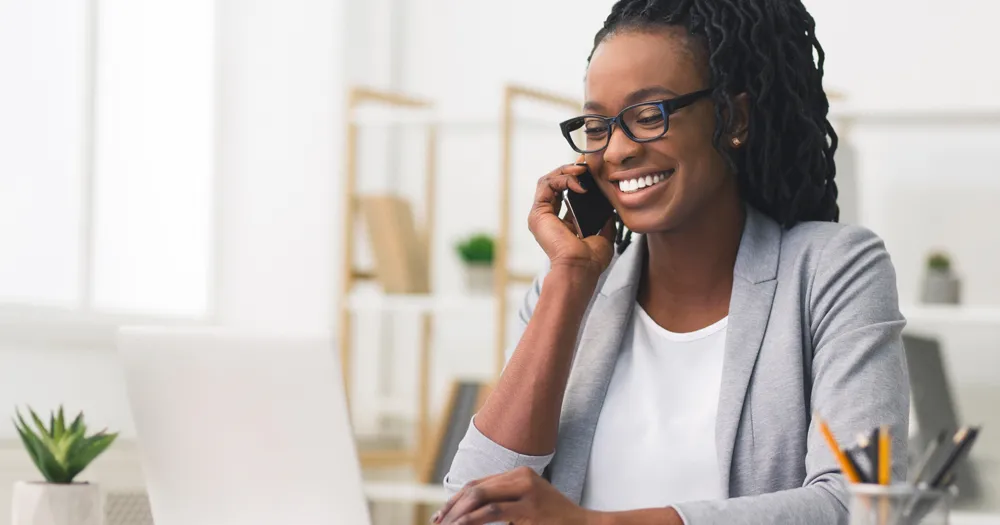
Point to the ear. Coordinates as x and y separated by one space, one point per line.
741 120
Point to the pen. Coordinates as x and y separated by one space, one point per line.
921 470
862 475
845 464
963 442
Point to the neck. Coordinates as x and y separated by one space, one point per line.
691 268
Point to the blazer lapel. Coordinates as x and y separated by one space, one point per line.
594 363
754 283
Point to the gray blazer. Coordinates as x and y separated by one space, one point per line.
814 326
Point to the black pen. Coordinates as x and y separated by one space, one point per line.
963 442
865 478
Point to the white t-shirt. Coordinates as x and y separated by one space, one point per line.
654 444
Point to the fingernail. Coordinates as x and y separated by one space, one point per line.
579 163
436 518
583 183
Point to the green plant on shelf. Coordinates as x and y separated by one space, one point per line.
59 451
477 249
938 261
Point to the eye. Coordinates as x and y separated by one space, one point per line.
650 117
595 127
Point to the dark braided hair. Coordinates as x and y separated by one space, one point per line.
763 48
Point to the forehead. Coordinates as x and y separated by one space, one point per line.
627 62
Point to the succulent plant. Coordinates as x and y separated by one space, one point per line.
939 261
61 452
477 249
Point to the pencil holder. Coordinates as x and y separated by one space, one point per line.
898 505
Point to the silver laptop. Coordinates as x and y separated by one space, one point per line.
242 428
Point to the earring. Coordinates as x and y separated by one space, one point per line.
737 142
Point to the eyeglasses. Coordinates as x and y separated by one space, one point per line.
643 122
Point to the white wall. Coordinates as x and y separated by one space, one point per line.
280 108
281 82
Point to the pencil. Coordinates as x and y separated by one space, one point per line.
885 456
845 464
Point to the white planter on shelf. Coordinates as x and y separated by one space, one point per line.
941 287
57 504
479 278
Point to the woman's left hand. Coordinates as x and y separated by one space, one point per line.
520 496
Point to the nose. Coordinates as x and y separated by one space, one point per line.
621 149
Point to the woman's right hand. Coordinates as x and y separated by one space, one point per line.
557 237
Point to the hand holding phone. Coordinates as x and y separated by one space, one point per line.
588 247
589 211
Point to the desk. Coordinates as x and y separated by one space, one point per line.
401 492
973 518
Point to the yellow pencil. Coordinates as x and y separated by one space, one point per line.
845 464
885 456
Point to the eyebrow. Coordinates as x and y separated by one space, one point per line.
634 97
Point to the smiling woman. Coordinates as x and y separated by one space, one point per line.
673 380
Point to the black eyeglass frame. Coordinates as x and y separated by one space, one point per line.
667 107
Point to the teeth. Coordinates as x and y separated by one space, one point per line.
629 186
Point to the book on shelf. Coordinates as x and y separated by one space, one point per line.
465 399
399 250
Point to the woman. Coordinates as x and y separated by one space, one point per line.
676 381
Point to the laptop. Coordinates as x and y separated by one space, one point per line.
246 428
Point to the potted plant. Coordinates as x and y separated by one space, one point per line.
477 253
941 285
60 452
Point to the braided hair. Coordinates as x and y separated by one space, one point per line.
763 48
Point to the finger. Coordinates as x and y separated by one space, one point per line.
493 512
497 490
551 187
457 496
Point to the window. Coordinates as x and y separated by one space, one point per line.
107 156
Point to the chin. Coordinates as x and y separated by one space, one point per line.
649 221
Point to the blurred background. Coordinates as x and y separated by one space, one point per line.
322 165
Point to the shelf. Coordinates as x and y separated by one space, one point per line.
422 303
952 314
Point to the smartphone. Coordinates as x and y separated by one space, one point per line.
589 211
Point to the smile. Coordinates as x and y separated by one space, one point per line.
639 183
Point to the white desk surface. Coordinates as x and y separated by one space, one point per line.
435 494
401 492
973 518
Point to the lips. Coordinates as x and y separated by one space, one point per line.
644 181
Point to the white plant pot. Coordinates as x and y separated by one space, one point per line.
941 288
479 278
57 504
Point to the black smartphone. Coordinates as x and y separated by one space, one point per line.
589 211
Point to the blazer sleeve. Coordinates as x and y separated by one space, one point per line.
859 381
478 456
